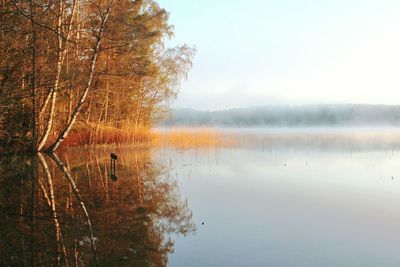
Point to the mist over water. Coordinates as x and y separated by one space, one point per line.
327 115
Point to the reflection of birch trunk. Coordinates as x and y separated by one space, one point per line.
32 206
103 181
68 176
52 204
96 49
139 181
88 175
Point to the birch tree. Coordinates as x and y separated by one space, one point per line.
98 35
62 46
75 65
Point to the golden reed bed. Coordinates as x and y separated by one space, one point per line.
214 137
174 137
192 138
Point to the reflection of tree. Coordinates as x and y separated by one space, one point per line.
51 202
132 219
16 187
80 201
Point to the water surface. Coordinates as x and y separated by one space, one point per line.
302 199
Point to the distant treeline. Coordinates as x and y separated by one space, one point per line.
288 116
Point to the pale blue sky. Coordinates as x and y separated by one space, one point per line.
257 52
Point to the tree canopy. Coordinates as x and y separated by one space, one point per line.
68 65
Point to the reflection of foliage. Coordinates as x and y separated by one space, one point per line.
133 218
14 210
177 214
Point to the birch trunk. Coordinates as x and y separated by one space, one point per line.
33 79
60 61
64 133
139 104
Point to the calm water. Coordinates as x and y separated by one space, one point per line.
283 200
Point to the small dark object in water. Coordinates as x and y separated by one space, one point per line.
202 223
114 157
284 164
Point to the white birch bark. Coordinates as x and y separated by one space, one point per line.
60 61
63 134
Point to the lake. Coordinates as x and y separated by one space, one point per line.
316 197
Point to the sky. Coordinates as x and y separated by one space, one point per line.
274 52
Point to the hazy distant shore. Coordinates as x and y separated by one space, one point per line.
338 115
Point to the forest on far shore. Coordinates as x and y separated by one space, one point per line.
73 69
290 116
